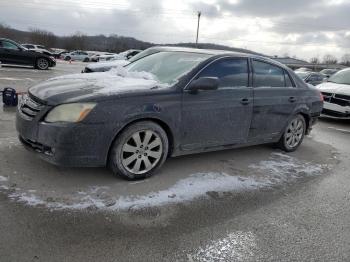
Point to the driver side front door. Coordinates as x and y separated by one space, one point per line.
218 117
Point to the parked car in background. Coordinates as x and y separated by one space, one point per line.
329 72
312 78
76 56
94 57
130 53
166 104
106 66
304 69
39 48
12 53
336 93
109 56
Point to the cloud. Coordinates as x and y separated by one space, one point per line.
298 27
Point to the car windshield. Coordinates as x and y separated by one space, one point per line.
342 77
328 71
302 74
142 54
168 67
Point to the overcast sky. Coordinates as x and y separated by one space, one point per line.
305 28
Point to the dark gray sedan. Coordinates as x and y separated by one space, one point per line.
166 104
312 78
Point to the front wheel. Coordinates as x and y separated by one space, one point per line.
42 64
293 135
139 150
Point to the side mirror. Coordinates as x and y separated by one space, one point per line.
203 83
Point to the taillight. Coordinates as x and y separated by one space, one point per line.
322 97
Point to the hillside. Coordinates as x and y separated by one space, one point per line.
112 43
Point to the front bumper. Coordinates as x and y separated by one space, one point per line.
336 111
71 145
52 63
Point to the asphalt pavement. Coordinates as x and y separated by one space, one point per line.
250 204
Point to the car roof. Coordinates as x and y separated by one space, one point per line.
217 53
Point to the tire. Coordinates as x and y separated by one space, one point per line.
139 151
42 63
293 134
86 59
67 58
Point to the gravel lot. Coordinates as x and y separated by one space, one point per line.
251 204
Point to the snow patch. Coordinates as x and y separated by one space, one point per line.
184 190
236 246
3 179
281 168
115 80
111 64
278 169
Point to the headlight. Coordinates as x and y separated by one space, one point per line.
69 112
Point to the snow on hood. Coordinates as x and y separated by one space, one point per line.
76 86
335 88
111 64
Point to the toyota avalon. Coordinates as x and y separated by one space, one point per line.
164 105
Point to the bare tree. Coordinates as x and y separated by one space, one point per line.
345 60
78 41
42 37
314 60
330 59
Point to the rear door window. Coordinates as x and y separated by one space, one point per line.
267 75
231 72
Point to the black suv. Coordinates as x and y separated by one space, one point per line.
12 53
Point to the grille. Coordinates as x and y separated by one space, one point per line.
342 100
30 108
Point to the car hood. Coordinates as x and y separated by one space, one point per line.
105 66
334 88
92 87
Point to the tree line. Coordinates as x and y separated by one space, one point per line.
77 41
329 59
115 43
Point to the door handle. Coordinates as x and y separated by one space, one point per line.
245 101
292 99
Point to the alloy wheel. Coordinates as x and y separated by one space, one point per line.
142 151
43 63
294 133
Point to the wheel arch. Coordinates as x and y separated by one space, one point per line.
158 121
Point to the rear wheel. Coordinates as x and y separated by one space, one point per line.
67 58
86 59
293 135
42 63
139 150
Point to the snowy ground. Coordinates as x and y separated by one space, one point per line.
216 206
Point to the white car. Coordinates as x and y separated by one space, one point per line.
129 53
336 94
38 48
77 56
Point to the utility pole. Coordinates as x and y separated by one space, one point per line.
199 18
